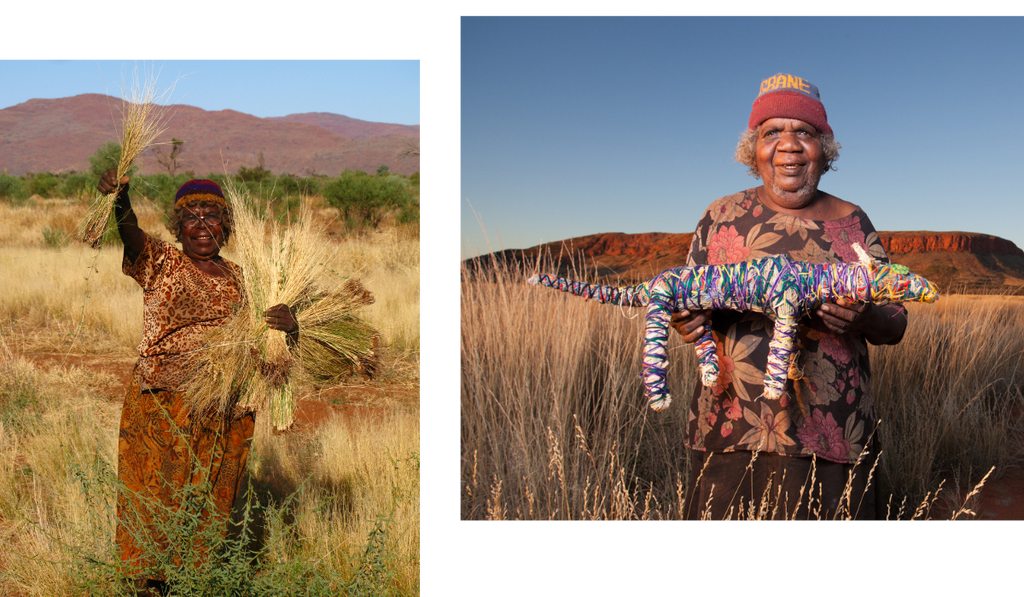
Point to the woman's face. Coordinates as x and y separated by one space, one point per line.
202 230
789 159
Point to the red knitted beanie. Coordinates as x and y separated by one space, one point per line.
786 96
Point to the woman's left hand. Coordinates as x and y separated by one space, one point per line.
843 316
879 325
280 317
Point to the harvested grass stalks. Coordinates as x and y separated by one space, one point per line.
142 121
249 365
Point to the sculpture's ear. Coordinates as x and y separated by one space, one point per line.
862 255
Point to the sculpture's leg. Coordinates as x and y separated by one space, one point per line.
655 343
707 359
780 355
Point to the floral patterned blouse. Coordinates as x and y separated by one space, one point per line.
829 410
180 303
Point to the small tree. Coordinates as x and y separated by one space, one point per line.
346 191
256 174
366 198
170 161
390 193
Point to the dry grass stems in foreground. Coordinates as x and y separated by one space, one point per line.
249 365
142 121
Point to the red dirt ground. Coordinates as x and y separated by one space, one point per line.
1003 499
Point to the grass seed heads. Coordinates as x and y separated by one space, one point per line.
248 365
142 121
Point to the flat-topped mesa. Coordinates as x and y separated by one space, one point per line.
966 262
956 242
782 289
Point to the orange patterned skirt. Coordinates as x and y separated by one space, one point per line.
176 475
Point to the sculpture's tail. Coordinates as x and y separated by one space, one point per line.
629 296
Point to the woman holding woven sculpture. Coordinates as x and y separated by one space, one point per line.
165 450
808 442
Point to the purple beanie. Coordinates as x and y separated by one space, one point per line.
199 189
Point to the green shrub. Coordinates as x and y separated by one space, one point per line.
78 185
55 238
43 184
104 158
12 188
367 199
187 548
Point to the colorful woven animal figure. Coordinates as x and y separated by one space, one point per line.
777 286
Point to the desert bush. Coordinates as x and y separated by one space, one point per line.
255 173
365 200
43 184
104 158
55 238
77 185
159 188
12 188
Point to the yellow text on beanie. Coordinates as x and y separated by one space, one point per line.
786 96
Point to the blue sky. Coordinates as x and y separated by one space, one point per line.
575 126
373 90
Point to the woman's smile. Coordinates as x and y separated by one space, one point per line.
202 232
790 160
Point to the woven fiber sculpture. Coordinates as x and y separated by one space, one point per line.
782 289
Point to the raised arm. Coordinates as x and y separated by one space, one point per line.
127 224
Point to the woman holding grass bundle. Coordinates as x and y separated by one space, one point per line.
167 452
827 411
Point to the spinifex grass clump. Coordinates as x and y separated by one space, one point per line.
252 366
142 121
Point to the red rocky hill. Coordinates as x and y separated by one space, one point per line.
351 127
957 261
57 135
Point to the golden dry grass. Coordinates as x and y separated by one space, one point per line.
58 422
142 121
554 424
43 290
57 438
281 265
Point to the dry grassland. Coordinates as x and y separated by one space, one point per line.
554 424
357 477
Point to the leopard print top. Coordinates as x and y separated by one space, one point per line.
180 303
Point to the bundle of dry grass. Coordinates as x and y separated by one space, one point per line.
251 366
142 121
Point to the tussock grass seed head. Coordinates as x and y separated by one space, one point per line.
142 121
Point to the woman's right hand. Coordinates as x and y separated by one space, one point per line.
691 324
108 182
